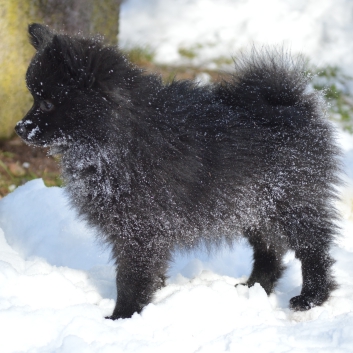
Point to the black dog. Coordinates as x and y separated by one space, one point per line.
154 167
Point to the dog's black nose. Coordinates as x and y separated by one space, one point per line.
20 129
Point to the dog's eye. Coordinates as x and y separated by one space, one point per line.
46 106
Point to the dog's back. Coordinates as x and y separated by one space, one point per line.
236 155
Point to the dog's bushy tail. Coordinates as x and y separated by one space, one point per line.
273 87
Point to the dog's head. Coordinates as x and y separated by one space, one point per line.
76 84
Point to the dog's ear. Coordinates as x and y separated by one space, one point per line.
67 55
38 34
62 51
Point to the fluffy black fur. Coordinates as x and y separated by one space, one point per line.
154 167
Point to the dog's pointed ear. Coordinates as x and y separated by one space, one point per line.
38 34
56 43
62 52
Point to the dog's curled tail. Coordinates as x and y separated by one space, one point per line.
273 87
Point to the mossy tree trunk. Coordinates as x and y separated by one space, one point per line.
85 16
72 16
15 53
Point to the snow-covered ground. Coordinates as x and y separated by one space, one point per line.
56 286
320 29
56 279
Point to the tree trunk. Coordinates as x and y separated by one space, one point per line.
84 16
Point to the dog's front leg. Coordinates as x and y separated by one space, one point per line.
140 272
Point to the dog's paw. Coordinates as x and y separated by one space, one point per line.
112 317
117 314
301 303
242 284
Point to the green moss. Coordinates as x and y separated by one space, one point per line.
140 55
222 60
335 86
188 53
105 19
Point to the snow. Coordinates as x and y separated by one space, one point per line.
57 284
57 281
320 29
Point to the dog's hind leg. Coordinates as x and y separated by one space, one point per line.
311 232
267 266
317 280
